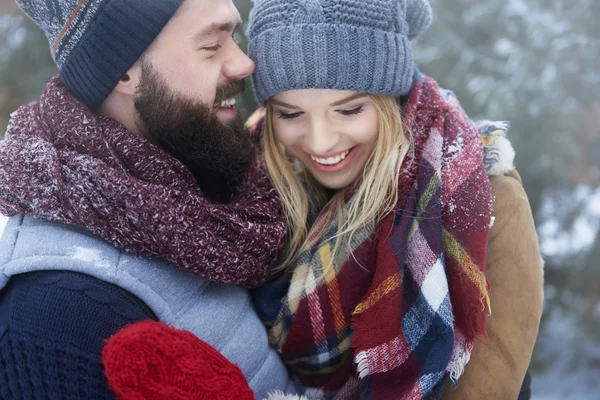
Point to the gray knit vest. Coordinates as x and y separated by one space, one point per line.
221 315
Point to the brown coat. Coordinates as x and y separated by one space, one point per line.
515 273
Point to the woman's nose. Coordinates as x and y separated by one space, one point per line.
320 138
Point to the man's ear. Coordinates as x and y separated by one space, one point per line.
130 80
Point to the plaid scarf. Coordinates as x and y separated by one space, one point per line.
399 315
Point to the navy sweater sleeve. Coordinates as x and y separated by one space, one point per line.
53 325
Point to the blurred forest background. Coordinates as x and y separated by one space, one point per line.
535 63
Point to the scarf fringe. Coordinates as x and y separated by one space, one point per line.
456 368
279 395
362 364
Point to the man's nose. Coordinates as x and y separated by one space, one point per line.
239 65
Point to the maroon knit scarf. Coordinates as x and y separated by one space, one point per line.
61 162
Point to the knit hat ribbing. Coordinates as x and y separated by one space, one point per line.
335 44
95 42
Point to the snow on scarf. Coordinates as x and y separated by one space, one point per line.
401 313
61 162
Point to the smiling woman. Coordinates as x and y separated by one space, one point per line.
383 183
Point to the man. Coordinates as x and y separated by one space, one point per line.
135 194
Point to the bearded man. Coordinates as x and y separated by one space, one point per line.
135 194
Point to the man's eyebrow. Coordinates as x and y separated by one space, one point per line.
216 27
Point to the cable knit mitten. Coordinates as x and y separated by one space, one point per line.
150 360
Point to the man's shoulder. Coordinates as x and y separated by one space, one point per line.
68 307
27 228
53 326
29 244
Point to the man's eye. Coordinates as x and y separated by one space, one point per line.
352 112
289 116
212 48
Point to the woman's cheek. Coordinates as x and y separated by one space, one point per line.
366 128
362 133
284 136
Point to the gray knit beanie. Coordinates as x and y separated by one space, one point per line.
95 42
360 45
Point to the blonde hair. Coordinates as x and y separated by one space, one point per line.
374 194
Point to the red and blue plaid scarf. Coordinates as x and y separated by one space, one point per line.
400 314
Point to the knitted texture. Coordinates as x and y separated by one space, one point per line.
401 312
61 162
95 42
335 44
52 330
150 360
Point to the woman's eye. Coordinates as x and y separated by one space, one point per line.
352 112
289 116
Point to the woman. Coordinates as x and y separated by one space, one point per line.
383 182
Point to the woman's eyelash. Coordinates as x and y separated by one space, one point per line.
352 112
355 111
288 116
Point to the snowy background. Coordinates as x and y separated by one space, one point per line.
535 63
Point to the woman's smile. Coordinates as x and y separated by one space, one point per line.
334 163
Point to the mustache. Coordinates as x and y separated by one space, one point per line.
229 90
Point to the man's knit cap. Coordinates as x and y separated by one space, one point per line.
95 42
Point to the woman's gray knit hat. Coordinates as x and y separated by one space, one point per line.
360 45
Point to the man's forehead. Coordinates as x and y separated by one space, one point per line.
210 12
216 28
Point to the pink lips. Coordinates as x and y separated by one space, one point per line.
337 167
229 112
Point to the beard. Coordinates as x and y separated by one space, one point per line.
217 155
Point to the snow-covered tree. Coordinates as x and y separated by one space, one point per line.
25 64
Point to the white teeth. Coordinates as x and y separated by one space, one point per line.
331 160
228 103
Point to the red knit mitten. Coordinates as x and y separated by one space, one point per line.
150 360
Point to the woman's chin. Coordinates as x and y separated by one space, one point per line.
333 181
